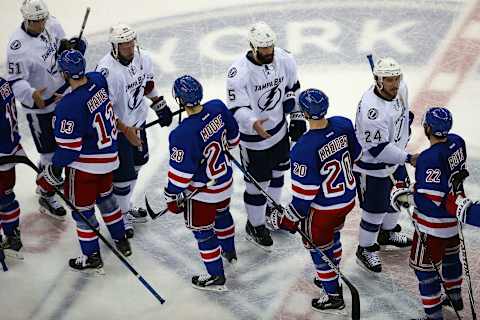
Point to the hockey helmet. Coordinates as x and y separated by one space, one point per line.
439 119
261 35
387 67
72 63
314 102
34 10
121 33
187 91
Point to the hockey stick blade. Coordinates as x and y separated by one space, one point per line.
84 23
153 215
25 160
148 125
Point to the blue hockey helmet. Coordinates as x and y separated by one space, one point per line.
72 63
187 91
439 119
314 102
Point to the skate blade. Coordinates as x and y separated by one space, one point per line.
338 312
140 220
390 247
90 272
13 254
360 263
48 213
266 249
215 288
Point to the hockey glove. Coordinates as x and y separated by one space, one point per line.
457 180
458 206
73 43
400 196
175 201
411 117
163 111
287 219
289 102
297 127
50 178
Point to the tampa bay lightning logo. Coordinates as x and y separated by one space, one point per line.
15 45
270 99
372 113
135 99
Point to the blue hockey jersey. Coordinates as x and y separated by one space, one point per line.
197 153
85 128
9 137
322 161
432 174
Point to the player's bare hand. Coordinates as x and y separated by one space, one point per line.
37 96
57 97
258 126
133 136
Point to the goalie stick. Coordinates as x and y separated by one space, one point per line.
351 287
25 160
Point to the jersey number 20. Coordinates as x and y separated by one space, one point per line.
333 169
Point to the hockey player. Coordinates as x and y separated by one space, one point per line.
86 135
323 188
9 145
129 72
382 128
261 91
438 229
199 164
36 82
466 210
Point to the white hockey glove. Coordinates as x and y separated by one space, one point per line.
458 206
287 219
401 196
50 178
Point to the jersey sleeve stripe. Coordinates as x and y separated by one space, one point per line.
235 141
72 144
181 174
97 159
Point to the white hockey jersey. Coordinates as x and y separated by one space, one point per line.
381 127
257 92
126 85
32 65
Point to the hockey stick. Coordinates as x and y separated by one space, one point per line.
179 112
84 23
370 61
2 260
351 287
25 160
155 215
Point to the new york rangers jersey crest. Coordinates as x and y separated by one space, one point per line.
434 168
322 177
85 128
197 156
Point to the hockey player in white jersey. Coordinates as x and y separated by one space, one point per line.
129 73
261 91
36 82
382 128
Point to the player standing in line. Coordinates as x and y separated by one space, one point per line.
86 135
261 91
438 229
382 128
9 145
198 162
129 72
323 188
466 210
33 73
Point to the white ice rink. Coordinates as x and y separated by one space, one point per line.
438 45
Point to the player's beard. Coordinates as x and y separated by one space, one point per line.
265 59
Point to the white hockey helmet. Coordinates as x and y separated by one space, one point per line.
387 67
121 33
261 35
34 10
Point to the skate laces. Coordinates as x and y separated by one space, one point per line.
53 202
81 260
398 237
204 277
372 257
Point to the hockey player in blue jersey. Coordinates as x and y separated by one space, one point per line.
323 188
438 229
9 145
466 210
86 136
199 164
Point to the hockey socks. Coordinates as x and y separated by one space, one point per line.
225 230
210 251
9 217
327 276
86 236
